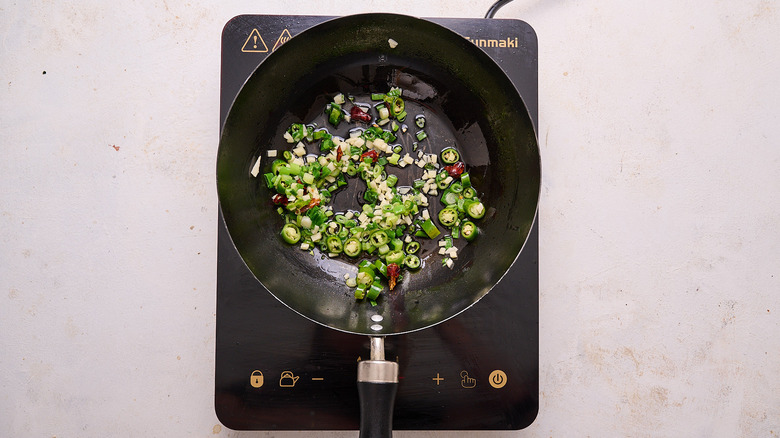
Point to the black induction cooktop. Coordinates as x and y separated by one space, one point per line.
276 370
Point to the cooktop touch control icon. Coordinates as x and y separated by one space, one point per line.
288 379
466 381
256 379
497 379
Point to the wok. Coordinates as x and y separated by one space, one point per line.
469 103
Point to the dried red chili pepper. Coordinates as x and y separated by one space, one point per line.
312 203
339 153
374 155
392 274
279 199
357 114
456 169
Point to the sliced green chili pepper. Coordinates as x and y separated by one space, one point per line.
460 204
334 244
352 247
297 131
371 196
411 261
334 114
318 217
391 180
360 292
395 256
412 247
456 230
381 267
465 180
326 145
379 238
419 120
397 244
449 198
373 291
371 133
276 165
364 278
320 134
388 137
421 135
430 229
469 230
448 216
450 155
291 234
269 180
475 209
397 106
290 169
333 228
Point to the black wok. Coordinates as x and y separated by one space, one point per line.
469 103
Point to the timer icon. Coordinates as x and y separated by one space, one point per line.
497 379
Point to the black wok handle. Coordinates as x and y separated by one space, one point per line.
376 406
377 381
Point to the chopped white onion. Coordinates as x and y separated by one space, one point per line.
256 168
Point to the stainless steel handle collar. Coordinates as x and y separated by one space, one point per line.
377 371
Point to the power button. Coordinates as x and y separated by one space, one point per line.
497 379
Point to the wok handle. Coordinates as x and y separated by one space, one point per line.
377 381
376 409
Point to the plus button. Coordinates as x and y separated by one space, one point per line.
438 379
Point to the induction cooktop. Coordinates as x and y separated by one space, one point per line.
276 370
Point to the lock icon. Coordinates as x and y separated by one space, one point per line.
256 379
288 379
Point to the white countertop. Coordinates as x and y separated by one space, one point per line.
659 272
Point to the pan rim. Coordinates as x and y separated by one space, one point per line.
537 191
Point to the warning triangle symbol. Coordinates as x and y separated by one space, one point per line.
283 38
254 43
